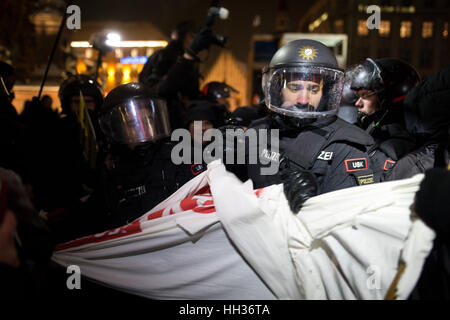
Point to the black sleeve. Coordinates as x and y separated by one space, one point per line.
182 78
432 201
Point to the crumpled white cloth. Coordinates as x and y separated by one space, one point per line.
345 244
230 242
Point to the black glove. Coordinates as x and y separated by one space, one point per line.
298 187
202 41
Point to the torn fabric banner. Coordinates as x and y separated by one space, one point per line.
217 238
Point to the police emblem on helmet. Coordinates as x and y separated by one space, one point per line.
308 52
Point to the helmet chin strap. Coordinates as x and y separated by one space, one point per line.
374 120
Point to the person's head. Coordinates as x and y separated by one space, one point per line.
184 32
69 94
8 73
218 92
47 101
204 117
381 83
303 80
132 116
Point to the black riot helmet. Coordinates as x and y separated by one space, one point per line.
216 90
303 80
348 110
131 115
390 79
73 85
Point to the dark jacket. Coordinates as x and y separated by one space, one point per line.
173 78
334 150
427 119
130 187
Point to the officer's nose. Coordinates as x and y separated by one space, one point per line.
303 97
359 103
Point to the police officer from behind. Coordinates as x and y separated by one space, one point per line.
318 152
381 86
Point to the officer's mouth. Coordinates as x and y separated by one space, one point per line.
303 107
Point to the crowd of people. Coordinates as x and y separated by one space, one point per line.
105 161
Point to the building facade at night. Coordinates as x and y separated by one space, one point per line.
415 31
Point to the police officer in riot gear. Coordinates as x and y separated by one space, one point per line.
138 172
62 171
141 172
318 152
381 86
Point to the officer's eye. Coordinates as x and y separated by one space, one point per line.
365 93
294 87
315 89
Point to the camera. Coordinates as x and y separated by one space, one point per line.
213 12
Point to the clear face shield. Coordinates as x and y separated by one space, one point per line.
304 91
137 121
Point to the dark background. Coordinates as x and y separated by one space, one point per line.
165 14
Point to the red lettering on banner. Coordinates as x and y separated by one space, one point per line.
127 230
201 202
204 191
207 207
154 215
188 204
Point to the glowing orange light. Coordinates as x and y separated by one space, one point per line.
126 74
111 73
81 67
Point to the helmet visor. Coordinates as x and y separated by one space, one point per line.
136 121
303 92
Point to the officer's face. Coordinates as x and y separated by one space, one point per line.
303 92
367 102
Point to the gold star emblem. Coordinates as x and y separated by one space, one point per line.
308 52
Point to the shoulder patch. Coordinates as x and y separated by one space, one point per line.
366 179
352 165
388 164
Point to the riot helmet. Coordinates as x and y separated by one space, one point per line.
216 90
131 115
390 79
303 80
71 87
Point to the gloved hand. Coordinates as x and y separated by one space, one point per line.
298 187
202 41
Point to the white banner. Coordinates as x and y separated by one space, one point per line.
217 238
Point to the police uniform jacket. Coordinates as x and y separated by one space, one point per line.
334 150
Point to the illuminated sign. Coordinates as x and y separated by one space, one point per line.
123 44
133 60
390 9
